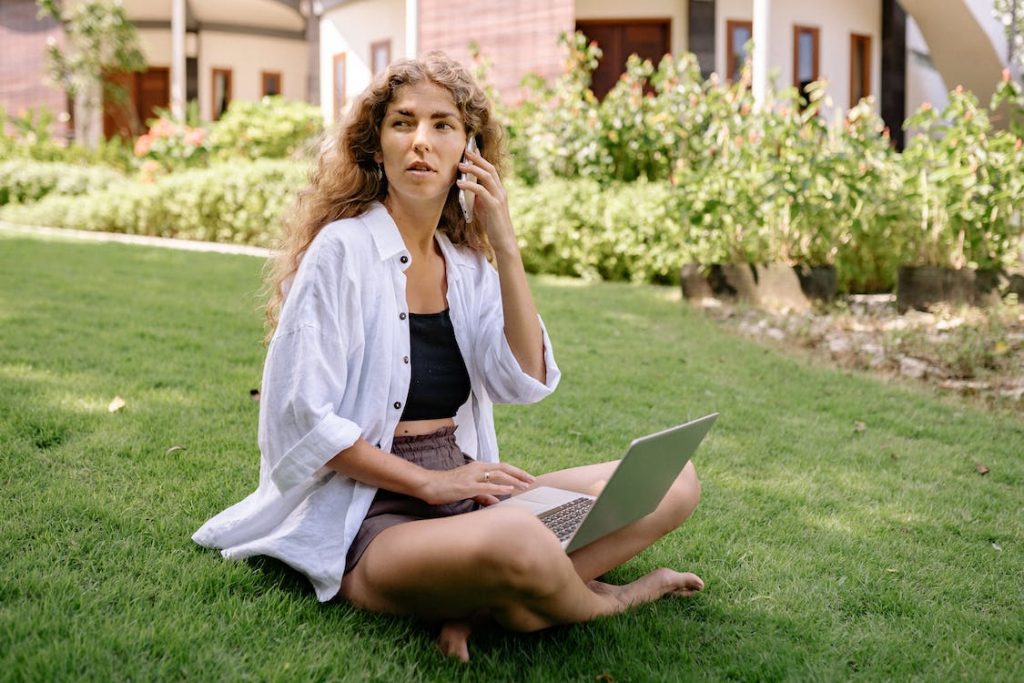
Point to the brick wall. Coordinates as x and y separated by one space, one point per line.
519 36
23 60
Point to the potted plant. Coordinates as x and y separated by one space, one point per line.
964 191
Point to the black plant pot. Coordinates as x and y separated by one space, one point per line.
918 287
817 282
774 286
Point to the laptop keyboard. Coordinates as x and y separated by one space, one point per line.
566 518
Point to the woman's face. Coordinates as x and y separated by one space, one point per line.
422 140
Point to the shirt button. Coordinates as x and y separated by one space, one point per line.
404 259
405 359
401 316
398 404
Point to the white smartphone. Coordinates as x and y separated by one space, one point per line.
466 198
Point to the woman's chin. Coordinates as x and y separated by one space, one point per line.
419 192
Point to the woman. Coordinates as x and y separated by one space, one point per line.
395 336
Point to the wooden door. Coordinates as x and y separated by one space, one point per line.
618 39
146 91
154 90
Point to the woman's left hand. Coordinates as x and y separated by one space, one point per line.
490 207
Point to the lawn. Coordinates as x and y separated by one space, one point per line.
830 549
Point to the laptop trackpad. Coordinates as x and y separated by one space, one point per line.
542 498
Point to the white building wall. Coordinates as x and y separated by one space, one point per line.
247 57
924 82
156 46
351 28
675 10
835 21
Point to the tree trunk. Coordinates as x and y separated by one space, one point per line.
89 115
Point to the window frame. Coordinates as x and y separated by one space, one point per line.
816 57
268 74
730 48
338 99
228 88
373 54
865 84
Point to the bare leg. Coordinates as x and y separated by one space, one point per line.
611 551
502 561
617 548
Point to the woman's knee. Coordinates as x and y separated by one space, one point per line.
681 500
521 553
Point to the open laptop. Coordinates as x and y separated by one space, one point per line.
635 489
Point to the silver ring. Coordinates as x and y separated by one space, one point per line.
487 476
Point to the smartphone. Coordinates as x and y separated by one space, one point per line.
466 198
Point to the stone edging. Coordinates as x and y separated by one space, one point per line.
145 240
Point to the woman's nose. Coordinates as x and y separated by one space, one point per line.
422 139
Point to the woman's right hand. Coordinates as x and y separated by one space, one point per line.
481 481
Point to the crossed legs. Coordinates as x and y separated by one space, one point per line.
504 563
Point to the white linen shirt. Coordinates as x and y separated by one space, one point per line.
337 369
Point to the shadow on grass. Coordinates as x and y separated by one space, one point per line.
277 575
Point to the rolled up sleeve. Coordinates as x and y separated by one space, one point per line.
503 377
303 382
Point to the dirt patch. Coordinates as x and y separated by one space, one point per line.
964 350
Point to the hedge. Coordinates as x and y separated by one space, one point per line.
26 180
629 231
241 202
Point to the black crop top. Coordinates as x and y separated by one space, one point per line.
440 381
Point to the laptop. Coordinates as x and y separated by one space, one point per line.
635 489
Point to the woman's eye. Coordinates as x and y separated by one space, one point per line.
445 123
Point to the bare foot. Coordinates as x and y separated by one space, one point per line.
453 641
657 584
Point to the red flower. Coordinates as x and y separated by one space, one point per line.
143 144
163 128
195 137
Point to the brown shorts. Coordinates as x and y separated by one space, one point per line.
436 451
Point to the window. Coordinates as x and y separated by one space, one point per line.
339 84
271 83
380 55
738 34
221 92
805 58
860 67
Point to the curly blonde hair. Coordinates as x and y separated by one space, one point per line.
346 180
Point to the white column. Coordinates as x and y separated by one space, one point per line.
178 59
412 28
762 31
1012 57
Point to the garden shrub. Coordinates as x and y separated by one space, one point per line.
965 183
272 128
170 146
239 203
780 183
630 231
24 180
30 136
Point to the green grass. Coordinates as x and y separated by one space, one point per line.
828 553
